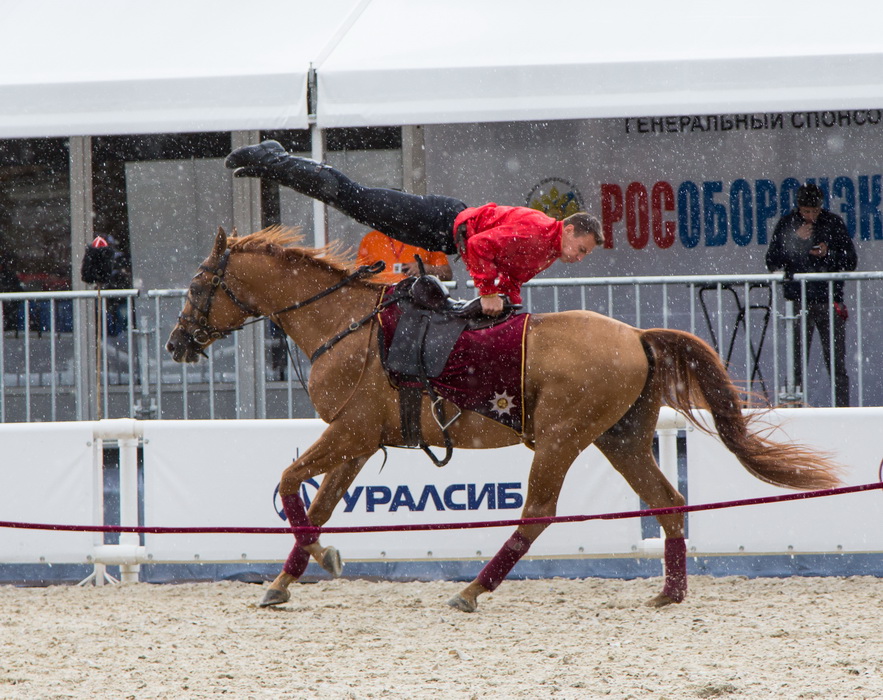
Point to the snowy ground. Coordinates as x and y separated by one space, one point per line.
733 637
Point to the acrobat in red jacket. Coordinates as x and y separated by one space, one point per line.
504 247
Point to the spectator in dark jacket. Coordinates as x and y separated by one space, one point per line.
812 239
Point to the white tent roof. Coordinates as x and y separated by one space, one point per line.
411 62
110 67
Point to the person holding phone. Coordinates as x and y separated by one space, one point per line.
812 239
400 259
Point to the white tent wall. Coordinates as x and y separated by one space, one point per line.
404 62
102 67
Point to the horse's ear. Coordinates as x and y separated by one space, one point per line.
220 243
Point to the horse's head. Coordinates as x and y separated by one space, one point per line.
207 316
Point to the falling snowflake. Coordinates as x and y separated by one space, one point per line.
502 404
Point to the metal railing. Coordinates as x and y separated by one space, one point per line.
49 368
212 388
747 320
57 362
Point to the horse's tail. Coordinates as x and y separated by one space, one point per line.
691 375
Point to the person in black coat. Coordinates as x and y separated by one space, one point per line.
812 239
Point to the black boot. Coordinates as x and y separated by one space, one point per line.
269 160
266 153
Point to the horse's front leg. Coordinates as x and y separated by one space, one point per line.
547 472
334 485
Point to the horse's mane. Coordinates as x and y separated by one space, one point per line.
286 243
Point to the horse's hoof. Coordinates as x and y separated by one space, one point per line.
331 561
274 596
661 601
459 602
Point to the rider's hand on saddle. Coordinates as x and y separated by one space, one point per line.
411 269
492 304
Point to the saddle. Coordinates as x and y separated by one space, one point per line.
429 326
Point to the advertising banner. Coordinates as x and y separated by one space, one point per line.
197 475
689 195
677 195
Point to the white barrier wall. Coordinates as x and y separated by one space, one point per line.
199 475
223 474
48 476
847 523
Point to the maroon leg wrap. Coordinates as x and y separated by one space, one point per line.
675 569
499 567
297 516
297 562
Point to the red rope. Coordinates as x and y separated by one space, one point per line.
449 526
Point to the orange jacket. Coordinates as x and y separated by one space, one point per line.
377 246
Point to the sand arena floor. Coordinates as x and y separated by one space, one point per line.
732 638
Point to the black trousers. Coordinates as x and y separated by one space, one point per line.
817 317
425 221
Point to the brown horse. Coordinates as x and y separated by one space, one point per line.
588 379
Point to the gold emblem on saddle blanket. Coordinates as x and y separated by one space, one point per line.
502 404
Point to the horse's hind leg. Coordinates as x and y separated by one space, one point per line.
628 446
334 485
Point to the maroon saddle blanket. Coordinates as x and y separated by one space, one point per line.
484 372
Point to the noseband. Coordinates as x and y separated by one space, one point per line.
206 333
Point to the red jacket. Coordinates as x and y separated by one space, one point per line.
506 246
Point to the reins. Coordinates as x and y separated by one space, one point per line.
206 333
362 271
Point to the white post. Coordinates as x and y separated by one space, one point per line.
129 503
669 423
320 211
668 454
128 553
789 348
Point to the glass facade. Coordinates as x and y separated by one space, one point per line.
35 215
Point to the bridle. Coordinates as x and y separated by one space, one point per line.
205 333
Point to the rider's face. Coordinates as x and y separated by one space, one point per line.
574 248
